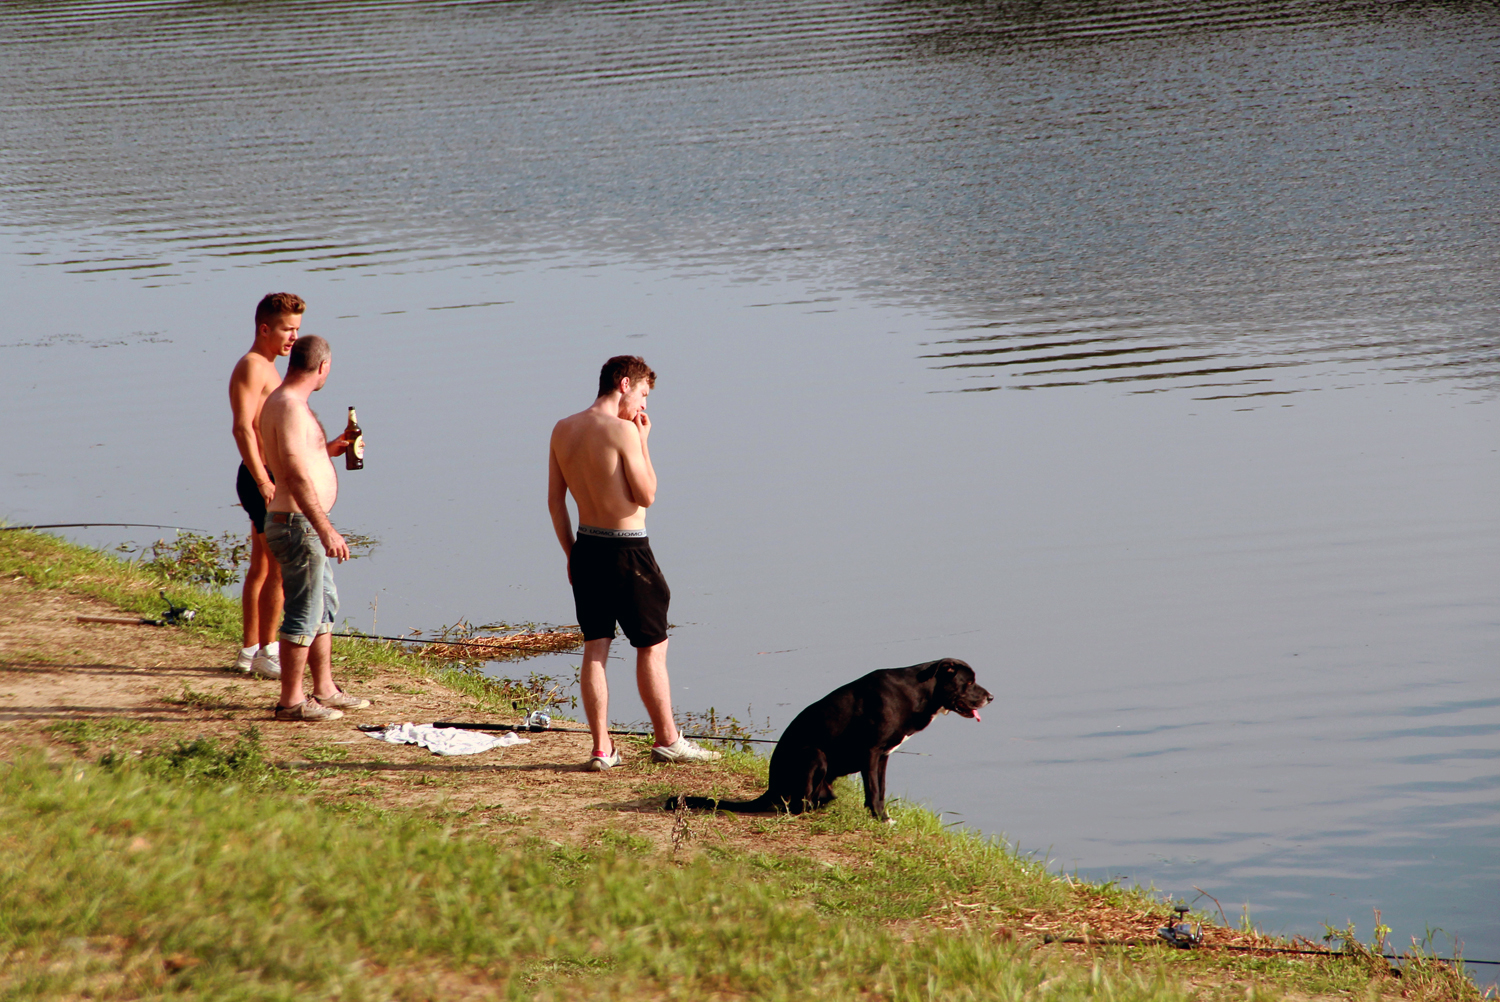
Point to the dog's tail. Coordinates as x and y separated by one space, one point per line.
763 804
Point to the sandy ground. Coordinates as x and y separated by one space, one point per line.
54 668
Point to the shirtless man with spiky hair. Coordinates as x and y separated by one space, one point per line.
278 317
600 456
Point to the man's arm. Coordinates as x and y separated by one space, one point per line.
245 402
557 503
298 480
640 476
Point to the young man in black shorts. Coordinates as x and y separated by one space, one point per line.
278 317
600 456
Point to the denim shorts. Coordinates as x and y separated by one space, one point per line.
306 579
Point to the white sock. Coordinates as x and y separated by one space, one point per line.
273 648
247 652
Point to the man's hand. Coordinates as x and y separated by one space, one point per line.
267 491
340 445
643 423
334 545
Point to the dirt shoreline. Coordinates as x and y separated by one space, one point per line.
55 669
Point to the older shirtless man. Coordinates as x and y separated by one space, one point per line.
301 538
278 317
600 456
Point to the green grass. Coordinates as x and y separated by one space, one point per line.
189 875
117 883
190 697
47 561
93 730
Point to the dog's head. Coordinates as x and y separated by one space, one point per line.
954 687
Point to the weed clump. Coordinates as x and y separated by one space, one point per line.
196 558
203 760
93 730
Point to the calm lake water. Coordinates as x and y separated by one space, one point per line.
1146 356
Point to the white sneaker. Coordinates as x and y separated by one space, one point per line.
603 763
683 750
267 665
244 659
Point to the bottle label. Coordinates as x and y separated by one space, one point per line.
359 446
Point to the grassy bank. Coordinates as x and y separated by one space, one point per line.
141 863
46 561
119 884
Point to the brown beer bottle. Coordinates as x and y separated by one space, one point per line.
354 456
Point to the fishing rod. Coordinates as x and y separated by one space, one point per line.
87 525
546 725
538 720
1090 941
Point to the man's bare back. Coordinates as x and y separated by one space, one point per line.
600 456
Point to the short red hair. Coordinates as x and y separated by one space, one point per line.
632 367
276 304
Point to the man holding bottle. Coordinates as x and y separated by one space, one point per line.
300 536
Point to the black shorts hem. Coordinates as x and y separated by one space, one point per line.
633 643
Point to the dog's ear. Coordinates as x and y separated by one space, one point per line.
931 668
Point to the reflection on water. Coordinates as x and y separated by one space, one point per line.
1232 558
1207 199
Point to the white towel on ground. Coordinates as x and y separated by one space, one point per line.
446 740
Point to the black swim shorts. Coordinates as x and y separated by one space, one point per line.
250 497
618 580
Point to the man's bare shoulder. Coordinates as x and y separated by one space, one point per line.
281 412
254 372
588 424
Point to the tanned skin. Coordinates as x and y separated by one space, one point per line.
253 380
600 456
299 451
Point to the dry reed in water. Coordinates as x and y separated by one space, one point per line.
510 645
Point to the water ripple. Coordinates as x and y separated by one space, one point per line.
1133 194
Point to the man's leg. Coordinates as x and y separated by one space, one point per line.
656 690
595 691
253 597
306 583
271 598
294 658
320 660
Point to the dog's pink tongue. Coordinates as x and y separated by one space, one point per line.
976 715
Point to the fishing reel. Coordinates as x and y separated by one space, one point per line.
176 615
1181 933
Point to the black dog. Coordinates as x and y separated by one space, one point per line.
854 729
